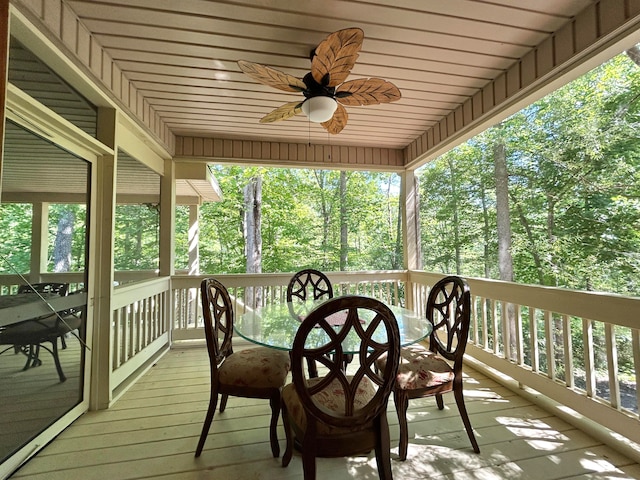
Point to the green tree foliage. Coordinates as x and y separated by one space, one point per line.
136 242
300 221
574 183
16 247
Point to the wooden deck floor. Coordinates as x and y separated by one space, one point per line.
151 432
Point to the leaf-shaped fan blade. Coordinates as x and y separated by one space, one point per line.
272 77
337 122
367 91
283 112
335 56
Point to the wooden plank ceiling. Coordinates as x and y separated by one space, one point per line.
181 55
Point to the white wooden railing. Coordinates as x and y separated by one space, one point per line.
271 288
140 325
535 336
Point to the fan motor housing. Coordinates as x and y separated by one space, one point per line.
314 89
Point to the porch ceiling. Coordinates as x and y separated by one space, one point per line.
182 57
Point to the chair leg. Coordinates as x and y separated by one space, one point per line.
465 418
440 401
312 368
383 446
33 356
275 401
213 403
27 350
56 359
288 431
223 402
402 404
348 358
309 455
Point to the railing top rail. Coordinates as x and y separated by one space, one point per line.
129 293
234 280
601 306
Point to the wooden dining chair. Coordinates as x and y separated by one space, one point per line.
309 284
437 370
338 414
305 286
258 372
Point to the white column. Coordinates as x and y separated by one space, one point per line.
102 277
409 195
39 240
194 240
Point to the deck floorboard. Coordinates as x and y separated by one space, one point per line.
152 430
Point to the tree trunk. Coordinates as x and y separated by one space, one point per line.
63 242
503 218
253 236
485 229
344 245
456 220
326 217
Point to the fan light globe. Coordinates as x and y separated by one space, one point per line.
319 109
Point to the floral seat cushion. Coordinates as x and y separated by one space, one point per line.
330 398
420 368
259 367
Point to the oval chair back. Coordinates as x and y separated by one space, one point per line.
342 413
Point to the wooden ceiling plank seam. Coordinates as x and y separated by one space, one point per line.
165 73
132 54
518 17
150 38
390 16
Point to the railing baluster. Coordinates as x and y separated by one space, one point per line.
519 335
568 351
535 348
485 324
116 339
496 323
548 330
506 331
635 345
474 319
612 365
589 357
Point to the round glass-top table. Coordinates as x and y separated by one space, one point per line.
275 326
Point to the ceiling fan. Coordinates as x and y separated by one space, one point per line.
325 90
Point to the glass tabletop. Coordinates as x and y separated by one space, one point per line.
276 325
